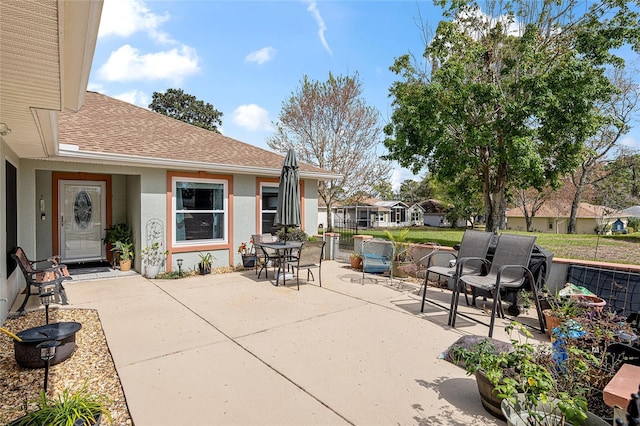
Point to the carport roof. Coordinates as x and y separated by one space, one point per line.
107 130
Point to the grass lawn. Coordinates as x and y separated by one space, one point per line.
608 248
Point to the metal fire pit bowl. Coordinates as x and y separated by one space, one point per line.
28 355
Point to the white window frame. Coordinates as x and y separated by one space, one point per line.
224 211
262 209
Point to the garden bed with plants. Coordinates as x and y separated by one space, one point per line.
90 366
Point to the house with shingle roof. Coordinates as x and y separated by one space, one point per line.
75 162
192 189
553 217
368 213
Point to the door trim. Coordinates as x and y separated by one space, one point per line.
58 176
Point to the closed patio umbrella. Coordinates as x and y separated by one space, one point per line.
288 209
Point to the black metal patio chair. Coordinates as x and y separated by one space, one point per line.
51 273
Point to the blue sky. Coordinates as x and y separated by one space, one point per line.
247 57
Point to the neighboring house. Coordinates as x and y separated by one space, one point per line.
435 212
76 162
554 217
633 211
374 213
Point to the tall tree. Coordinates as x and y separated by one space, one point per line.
412 191
331 126
383 190
507 93
184 107
529 201
618 112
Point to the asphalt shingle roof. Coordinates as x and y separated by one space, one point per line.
113 127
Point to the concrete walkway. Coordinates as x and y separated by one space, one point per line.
234 350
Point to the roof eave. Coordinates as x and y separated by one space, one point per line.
120 159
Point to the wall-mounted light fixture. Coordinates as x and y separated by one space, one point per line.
4 129
43 214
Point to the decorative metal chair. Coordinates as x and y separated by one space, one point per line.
309 257
377 257
509 268
419 255
473 244
51 275
264 255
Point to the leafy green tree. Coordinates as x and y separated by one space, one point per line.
383 190
184 107
618 112
412 191
507 95
331 126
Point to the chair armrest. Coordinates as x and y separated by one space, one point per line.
461 262
507 267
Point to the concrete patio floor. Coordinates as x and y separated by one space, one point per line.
230 349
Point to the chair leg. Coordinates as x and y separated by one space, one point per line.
26 297
496 300
63 294
320 276
459 286
424 293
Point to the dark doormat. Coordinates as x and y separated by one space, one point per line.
88 267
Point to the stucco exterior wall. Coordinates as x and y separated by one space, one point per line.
9 286
311 207
139 195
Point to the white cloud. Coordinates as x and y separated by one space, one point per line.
123 18
630 141
252 117
261 56
321 26
127 64
135 97
469 18
95 87
399 175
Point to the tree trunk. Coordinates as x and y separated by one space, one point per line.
571 225
529 221
494 215
329 222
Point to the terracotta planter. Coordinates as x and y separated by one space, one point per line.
593 302
551 321
356 262
125 265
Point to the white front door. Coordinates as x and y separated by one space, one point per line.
82 219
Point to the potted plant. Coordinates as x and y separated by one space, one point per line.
153 257
526 380
248 257
204 266
81 408
117 232
291 234
401 248
356 260
560 310
125 253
